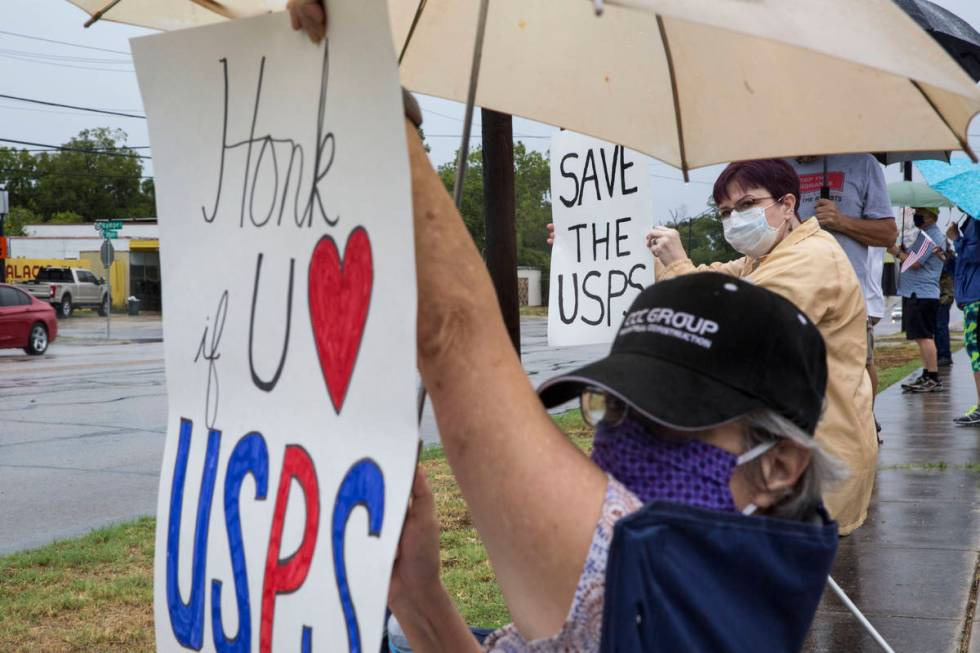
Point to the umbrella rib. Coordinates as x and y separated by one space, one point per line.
673 89
963 144
100 13
411 31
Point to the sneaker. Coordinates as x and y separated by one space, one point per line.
945 362
928 385
970 418
915 385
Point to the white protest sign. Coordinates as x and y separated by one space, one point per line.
284 203
601 208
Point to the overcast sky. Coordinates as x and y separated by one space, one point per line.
95 78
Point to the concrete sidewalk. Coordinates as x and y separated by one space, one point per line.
911 568
124 328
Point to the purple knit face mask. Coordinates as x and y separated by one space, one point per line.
690 472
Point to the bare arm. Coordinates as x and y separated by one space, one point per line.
534 497
875 233
670 259
416 595
872 232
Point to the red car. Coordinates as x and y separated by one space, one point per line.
25 322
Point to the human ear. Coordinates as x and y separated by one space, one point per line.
780 469
789 203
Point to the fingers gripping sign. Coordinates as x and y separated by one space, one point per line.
309 16
665 244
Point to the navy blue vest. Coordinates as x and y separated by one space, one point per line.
683 579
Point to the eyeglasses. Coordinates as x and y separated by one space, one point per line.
743 204
599 407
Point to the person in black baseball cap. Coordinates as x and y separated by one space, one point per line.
706 374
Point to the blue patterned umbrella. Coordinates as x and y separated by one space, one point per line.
958 180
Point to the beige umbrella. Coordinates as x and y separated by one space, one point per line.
689 82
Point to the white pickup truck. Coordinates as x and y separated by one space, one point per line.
67 289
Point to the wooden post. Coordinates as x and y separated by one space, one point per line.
501 220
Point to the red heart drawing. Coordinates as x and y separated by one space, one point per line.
339 296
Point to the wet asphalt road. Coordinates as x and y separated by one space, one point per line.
81 432
82 428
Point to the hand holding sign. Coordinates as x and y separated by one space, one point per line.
310 16
665 244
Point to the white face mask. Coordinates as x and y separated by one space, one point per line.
749 232
749 456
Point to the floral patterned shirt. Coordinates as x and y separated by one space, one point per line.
582 629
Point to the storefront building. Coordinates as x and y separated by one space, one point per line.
134 273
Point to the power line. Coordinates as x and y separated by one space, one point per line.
65 57
54 111
94 150
72 174
65 65
61 148
74 45
70 106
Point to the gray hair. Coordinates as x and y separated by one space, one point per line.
824 470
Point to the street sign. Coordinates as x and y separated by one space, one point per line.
108 253
108 228
3 247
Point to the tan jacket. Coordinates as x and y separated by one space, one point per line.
811 270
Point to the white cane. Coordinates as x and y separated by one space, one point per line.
859 615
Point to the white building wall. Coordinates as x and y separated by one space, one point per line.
533 276
64 248
139 230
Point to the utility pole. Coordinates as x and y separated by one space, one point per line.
500 216
4 210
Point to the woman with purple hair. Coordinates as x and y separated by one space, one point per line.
757 203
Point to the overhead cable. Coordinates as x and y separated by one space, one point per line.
62 148
71 106
74 45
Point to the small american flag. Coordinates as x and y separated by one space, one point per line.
924 249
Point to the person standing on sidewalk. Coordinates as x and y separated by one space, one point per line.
944 356
848 196
966 240
875 305
919 286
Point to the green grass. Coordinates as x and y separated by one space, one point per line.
94 593
941 466
534 311
897 359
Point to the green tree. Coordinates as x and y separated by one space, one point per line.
66 217
97 176
17 219
532 201
18 175
704 238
